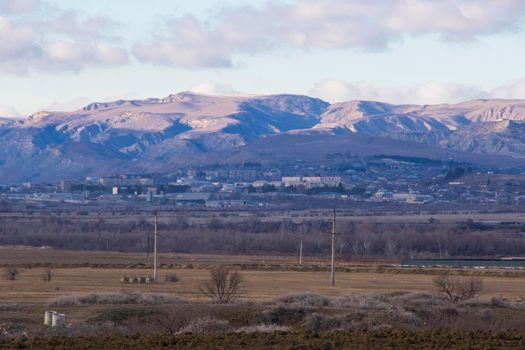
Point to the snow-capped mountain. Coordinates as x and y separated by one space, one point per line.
157 135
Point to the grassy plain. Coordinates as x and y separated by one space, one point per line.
23 301
266 277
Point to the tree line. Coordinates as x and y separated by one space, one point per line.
255 236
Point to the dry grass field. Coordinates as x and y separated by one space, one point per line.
30 288
384 295
265 276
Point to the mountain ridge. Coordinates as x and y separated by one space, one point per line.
189 128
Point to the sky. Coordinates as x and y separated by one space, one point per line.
64 54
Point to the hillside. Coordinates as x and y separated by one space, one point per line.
158 135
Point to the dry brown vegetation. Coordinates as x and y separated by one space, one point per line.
261 234
10 273
384 340
374 302
223 285
458 289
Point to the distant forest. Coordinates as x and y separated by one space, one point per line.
254 236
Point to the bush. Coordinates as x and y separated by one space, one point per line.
10 273
500 302
223 286
318 323
284 315
113 298
173 321
304 299
262 328
172 277
458 289
207 325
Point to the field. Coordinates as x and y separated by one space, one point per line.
266 276
375 303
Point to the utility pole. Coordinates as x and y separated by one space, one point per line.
301 252
155 246
332 269
147 244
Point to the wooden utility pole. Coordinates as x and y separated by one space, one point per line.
301 252
155 246
332 269
147 244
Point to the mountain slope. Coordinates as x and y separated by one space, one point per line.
142 134
158 135
479 126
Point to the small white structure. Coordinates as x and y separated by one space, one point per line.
59 320
54 319
48 317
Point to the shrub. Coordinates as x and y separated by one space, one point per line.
207 325
458 289
318 323
500 302
172 277
262 328
10 273
284 315
305 299
223 286
113 298
173 321
368 301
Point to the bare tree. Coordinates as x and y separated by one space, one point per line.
10 273
173 320
390 247
223 286
458 289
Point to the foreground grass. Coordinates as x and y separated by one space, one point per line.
388 339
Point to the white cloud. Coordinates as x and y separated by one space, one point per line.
68 106
18 6
34 39
187 41
514 89
333 90
9 112
428 93
209 88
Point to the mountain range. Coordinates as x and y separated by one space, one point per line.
161 135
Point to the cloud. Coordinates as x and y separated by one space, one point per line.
68 106
188 41
37 37
514 89
18 6
333 90
209 88
9 112
428 93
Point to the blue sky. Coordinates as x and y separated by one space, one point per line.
58 54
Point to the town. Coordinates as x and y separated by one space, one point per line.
377 180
